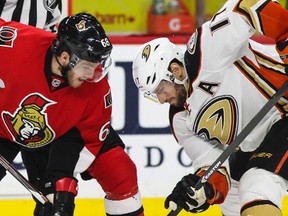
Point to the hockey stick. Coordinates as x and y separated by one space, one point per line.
14 172
238 140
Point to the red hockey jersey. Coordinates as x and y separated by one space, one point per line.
38 107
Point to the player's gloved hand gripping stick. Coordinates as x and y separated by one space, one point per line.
237 141
32 189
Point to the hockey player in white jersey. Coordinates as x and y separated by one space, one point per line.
215 88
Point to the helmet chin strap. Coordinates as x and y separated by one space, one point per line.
63 69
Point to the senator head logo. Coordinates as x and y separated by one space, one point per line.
28 125
81 26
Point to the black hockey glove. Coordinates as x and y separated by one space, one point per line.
43 209
186 196
63 204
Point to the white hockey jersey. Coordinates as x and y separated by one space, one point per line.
230 79
231 82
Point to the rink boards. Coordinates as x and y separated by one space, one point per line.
92 207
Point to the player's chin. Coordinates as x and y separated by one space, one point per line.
178 103
174 102
76 83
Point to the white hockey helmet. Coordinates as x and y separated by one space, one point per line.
152 62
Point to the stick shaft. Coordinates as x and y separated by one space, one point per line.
243 134
20 178
175 212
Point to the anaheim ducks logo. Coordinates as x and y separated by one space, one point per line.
28 125
146 52
191 45
217 120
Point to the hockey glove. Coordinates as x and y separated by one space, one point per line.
186 196
66 190
63 204
43 209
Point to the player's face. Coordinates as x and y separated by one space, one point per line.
172 93
88 71
83 71
28 130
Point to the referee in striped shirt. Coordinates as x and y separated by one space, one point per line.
40 13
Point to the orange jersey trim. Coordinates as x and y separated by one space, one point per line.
221 184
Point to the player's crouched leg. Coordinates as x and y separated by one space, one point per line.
261 193
131 206
260 207
117 175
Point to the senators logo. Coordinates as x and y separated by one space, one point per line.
28 125
81 25
218 120
146 52
8 35
108 99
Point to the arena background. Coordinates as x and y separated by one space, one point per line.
143 125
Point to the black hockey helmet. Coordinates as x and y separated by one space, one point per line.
84 36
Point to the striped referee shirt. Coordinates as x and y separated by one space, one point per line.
43 14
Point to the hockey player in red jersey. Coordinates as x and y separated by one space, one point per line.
215 88
54 92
